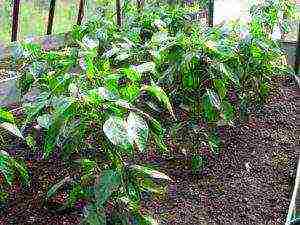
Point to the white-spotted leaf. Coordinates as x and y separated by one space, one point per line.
137 130
150 172
214 99
12 129
114 129
45 121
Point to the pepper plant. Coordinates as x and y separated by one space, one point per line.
9 166
88 99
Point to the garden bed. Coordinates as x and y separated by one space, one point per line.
152 120
249 182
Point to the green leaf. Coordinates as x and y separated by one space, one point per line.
110 181
6 116
197 163
106 94
114 128
148 67
160 142
130 92
220 87
214 142
228 73
123 56
90 42
156 127
146 220
64 111
12 129
94 216
52 191
150 172
263 89
45 121
90 67
132 205
209 111
133 193
159 93
137 130
131 74
149 185
22 171
99 95
228 111
150 220
6 167
214 99
88 165
34 109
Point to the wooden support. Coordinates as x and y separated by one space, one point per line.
15 20
80 12
119 12
211 13
51 17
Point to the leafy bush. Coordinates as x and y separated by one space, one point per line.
8 165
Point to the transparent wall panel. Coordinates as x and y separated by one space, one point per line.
65 15
5 21
32 18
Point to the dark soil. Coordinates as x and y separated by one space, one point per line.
249 182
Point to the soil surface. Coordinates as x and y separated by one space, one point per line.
248 183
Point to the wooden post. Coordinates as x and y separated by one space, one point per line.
15 20
51 17
297 60
80 12
211 13
119 12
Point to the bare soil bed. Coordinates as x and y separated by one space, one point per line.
248 183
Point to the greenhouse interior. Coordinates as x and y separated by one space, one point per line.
149 112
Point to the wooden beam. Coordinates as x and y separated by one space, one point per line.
80 12
51 17
15 20
119 12
211 13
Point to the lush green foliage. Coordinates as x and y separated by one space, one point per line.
109 91
8 165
